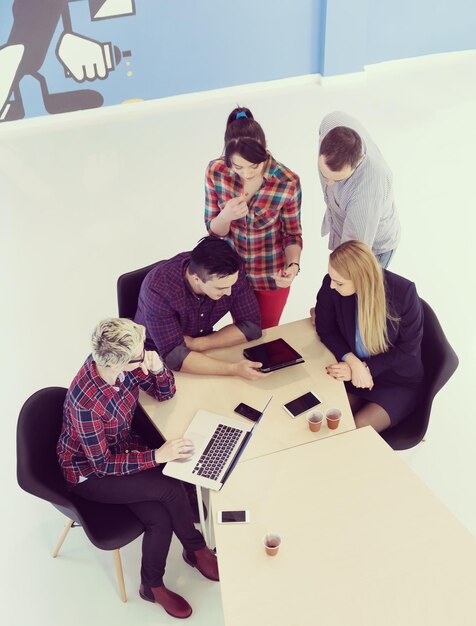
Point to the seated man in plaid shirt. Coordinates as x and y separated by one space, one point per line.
183 297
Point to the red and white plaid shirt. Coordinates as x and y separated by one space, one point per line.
273 221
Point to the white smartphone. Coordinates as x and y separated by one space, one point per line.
302 404
233 517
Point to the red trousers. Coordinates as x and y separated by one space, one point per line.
271 304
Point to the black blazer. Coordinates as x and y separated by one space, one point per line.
335 325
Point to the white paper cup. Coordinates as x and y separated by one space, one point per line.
271 542
314 420
333 418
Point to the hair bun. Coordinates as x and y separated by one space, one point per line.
240 113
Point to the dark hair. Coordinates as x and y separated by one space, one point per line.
244 136
213 257
341 146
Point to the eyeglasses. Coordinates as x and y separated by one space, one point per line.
141 360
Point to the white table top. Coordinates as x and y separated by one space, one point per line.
365 542
221 394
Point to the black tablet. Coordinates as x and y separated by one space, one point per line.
274 355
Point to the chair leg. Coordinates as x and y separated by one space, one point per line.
120 574
62 537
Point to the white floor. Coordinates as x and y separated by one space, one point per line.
87 197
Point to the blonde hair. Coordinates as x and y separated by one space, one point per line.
354 261
115 341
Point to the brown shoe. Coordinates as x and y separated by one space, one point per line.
204 560
174 605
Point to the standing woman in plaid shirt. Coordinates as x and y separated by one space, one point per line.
255 203
104 460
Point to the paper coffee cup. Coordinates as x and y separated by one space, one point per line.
271 541
314 420
333 418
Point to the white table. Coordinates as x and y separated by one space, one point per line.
365 542
221 394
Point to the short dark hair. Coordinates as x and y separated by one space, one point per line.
244 136
341 146
213 257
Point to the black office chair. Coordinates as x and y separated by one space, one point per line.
108 526
128 288
440 363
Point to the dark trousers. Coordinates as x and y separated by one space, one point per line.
162 506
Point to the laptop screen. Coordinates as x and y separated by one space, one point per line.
272 353
244 444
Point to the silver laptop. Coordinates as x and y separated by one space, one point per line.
219 443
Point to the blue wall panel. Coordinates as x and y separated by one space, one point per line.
345 38
399 29
170 47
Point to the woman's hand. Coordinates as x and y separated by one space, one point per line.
361 376
235 209
312 315
340 371
151 363
284 278
175 449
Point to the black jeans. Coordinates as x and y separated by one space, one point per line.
162 506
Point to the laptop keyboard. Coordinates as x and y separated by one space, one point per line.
217 452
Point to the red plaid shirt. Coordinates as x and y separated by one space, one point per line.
96 437
273 221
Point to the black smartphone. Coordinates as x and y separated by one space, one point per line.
233 517
302 404
248 411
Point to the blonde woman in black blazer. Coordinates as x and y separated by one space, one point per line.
372 321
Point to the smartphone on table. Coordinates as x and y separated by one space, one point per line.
233 517
248 411
301 404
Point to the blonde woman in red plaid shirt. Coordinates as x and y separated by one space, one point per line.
255 203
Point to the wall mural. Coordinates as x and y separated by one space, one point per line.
47 28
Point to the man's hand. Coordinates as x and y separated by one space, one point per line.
235 209
248 370
340 371
175 449
197 344
151 363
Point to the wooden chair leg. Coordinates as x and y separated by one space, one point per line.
62 537
119 574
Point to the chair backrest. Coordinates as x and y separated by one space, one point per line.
439 359
440 362
38 429
108 526
128 289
